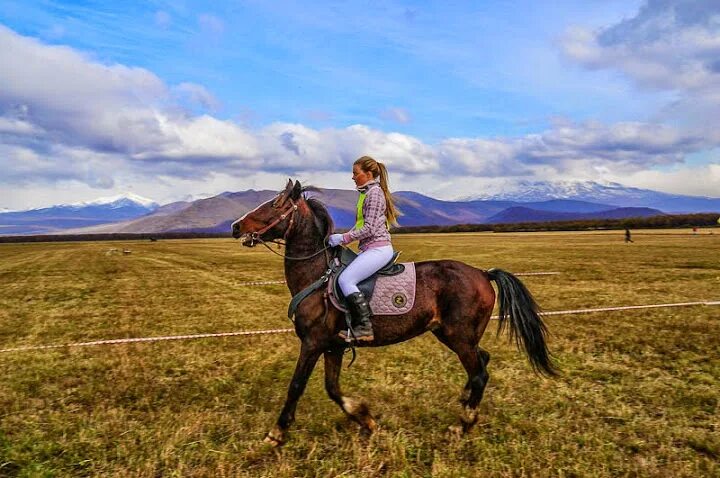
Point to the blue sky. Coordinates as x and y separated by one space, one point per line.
170 99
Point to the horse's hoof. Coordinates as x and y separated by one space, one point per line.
368 428
456 431
273 441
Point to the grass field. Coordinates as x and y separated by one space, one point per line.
638 395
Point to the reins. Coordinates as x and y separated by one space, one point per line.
255 236
264 243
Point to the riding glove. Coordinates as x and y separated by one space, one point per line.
335 240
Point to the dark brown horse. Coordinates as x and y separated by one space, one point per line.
453 300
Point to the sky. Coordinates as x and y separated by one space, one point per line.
183 99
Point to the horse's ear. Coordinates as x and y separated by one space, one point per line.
297 190
282 197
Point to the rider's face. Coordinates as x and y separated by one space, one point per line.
359 176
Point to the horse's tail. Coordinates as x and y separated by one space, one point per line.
518 307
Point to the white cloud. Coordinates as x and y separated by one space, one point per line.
15 126
399 115
696 181
481 157
107 126
198 95
669 45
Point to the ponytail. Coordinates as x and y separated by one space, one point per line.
378 170
391 212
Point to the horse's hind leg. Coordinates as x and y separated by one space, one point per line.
305 365
475 388
355 409
475 361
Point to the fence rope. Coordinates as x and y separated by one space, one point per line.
285 331
148 339
274 282
262 282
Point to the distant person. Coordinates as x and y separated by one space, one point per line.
375 212
628 238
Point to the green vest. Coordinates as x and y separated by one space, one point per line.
360 219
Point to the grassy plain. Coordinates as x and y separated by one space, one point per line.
638 395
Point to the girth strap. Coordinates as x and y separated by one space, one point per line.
302 295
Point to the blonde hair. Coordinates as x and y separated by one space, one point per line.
378 170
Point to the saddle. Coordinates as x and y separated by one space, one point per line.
405 274
367 286
390 291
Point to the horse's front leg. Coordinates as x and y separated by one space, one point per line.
306 362
356 409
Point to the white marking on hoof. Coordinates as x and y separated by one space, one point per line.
351 405
470 415
468 418
274 438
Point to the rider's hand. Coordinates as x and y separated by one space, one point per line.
335 240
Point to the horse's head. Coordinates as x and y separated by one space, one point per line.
271 220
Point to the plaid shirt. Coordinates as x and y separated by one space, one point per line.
374 232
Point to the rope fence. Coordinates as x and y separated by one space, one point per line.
285 331
274 282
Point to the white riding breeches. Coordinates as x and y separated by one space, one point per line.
363 266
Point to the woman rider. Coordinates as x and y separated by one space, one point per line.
375 211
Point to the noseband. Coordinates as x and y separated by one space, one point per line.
255 236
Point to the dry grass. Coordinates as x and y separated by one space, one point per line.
638 397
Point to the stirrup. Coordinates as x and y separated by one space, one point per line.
348 335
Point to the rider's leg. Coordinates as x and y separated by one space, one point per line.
364 265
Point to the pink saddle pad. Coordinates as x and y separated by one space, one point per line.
393 295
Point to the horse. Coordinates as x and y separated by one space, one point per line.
453 300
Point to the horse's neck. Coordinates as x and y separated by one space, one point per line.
301 273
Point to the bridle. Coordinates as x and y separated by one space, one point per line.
290 211
255 236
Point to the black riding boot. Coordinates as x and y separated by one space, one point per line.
360 310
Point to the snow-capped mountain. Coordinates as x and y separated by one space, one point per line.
117 201
195 197
598 192
527 191
80 214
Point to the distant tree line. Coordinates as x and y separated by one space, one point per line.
655 222
667 221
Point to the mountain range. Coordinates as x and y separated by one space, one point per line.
599 192
534 202
54 219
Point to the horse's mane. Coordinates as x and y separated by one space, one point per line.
321 215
